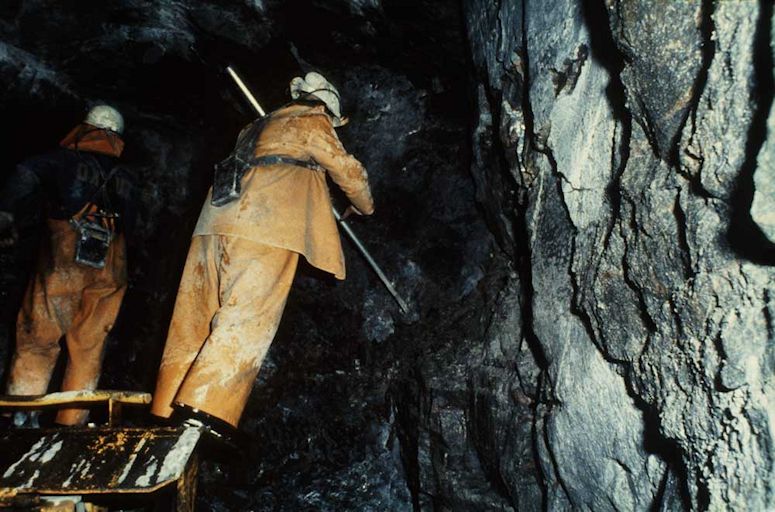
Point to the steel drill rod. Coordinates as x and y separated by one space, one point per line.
377 270
373 264
244 88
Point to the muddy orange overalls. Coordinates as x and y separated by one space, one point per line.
70 299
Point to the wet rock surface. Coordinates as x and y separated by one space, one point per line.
575 197
632 141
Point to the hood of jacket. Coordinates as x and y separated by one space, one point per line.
86 137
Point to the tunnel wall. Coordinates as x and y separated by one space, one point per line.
620 140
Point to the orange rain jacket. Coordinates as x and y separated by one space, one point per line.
288 206
242 260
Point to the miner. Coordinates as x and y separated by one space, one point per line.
268 205
84 198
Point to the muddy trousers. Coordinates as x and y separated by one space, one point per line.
229 304
70 299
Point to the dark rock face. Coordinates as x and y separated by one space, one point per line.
670 52
576 198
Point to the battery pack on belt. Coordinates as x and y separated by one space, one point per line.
227 185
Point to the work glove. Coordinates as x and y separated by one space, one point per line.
8 233
350 211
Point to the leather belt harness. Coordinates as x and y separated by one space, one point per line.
267 160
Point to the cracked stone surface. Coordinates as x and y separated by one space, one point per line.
643 301
763 206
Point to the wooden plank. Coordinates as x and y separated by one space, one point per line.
75 398
114 412
93 460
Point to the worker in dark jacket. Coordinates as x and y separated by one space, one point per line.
81 273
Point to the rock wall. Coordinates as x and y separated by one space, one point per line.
628 133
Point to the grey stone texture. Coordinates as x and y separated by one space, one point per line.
763 207
629 125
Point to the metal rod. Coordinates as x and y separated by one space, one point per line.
373 264
388 284
244 88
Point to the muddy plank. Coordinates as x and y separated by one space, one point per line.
94 460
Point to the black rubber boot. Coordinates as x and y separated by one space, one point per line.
220 441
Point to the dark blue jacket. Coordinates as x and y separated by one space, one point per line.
57 185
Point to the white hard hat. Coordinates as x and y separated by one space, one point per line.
106 117
315 84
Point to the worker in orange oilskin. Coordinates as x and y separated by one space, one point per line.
245 250
81 274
